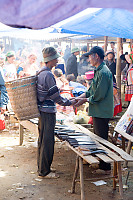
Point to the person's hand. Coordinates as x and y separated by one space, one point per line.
3 110
73 101
80 101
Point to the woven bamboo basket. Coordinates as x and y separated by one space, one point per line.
23 98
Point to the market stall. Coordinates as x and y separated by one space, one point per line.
86 146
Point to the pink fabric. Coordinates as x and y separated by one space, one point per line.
39 14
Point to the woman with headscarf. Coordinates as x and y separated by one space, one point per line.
9 68
29 68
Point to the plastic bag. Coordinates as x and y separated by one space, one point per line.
81 118
2 122
125 120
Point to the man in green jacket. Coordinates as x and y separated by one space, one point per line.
99 96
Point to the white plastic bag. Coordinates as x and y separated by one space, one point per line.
125 119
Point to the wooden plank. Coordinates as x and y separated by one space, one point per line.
122 153
30 126
104 158
112 155
89 159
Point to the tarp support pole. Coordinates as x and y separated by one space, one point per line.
105 43
88 48
118 65
131 42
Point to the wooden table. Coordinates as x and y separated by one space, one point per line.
114 155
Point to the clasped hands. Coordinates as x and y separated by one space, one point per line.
77 101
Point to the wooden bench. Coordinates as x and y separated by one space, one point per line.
114 155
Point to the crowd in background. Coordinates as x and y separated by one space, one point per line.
73 76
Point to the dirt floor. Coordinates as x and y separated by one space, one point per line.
19 179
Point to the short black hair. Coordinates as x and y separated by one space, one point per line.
70 77
112 43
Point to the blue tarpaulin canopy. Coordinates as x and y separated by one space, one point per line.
104 22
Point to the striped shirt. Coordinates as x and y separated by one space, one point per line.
48 93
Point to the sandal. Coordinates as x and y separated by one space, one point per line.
51 175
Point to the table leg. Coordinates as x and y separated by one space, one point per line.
21 131
75 175
123 143
114 175
129 146
81 178
120 179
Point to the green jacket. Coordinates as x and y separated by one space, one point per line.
100 93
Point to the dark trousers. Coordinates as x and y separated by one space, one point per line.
46 127
101 128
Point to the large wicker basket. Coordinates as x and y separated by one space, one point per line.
22 96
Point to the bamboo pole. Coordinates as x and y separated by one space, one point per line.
115 175
118 65
131 42
105 43
88 47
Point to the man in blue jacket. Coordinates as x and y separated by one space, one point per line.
48 95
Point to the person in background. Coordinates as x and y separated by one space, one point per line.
100 97
83 63
29 68
112 44
60 64
2 60
61 81
65 91
72 65
112 66
110 63
48 95
81 80
78 88
4 96
9 68
67 54
129 76
2 55
2 48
